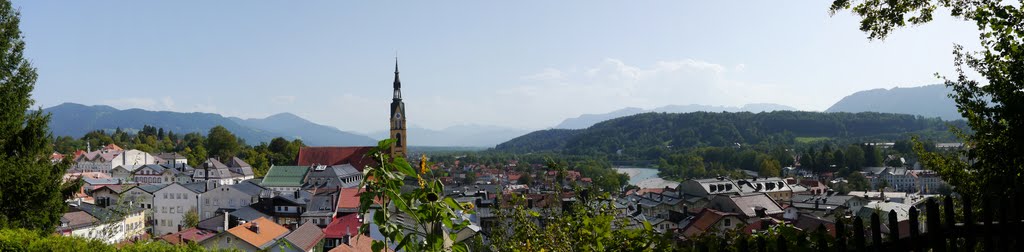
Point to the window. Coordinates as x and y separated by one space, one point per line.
179 210
163 209
165 195
728 222
231 202
216 202
207 201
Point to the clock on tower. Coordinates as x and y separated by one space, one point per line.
398 118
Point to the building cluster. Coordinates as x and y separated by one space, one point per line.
310 206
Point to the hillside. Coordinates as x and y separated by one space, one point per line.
927 101
648 134
70 119
291 126
587 120
459 135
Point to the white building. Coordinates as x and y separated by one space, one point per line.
229 197
93 222
111 156
216 172
170 204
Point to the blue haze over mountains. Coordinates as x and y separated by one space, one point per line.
70 119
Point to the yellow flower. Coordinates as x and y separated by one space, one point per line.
423 164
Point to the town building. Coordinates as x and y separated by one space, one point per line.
170 204
258 235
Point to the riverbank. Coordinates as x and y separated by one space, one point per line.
645 177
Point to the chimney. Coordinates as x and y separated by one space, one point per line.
296 194
255 227
226 226
348 236
815 203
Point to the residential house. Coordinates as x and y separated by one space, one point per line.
258 235
708 187
229 197
285 178
713 221
106 159
750 206
172 202
827 204
306 238
322 176
171 159
191 235
218 173
107 195
285 208
774 187
341 232
107 225
142 196
233 218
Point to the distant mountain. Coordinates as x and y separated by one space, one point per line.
293 126
648 136
458 135
586 120
927 101
70 119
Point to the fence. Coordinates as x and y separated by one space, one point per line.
999 229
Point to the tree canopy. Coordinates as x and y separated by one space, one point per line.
32 190
993 107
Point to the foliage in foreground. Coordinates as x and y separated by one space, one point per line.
32 192
27 240
427 213
992 163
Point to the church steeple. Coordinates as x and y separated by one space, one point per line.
398 83
398 118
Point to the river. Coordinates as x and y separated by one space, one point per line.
645 177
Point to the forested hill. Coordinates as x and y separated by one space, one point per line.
658 132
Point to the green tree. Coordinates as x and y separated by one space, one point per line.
32 191
221 143
769 168
858 182
190 219
854 157
992 107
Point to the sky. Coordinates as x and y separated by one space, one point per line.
516 64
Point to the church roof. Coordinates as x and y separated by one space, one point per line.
356 156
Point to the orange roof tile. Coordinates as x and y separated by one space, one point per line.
268 232
361 243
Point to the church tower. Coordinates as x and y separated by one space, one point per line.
398 119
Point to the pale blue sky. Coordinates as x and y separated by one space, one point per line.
521 64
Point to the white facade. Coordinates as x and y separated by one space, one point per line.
225 197
169 207
105 160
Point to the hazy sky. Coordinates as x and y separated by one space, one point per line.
521 64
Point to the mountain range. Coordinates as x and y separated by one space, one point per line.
587 120
459 135
71 119
927 101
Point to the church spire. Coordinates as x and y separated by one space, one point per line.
398 84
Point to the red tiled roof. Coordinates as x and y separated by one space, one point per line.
188 235
336 156
704 220
343 225
349 198
361 243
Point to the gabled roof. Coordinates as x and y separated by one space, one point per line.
248 187
152 187
197 187
288 176
76 219
349 198
212 163
306 236
194 235
335 156
343 225
237 162
704 221
358 243
169 156
268 232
